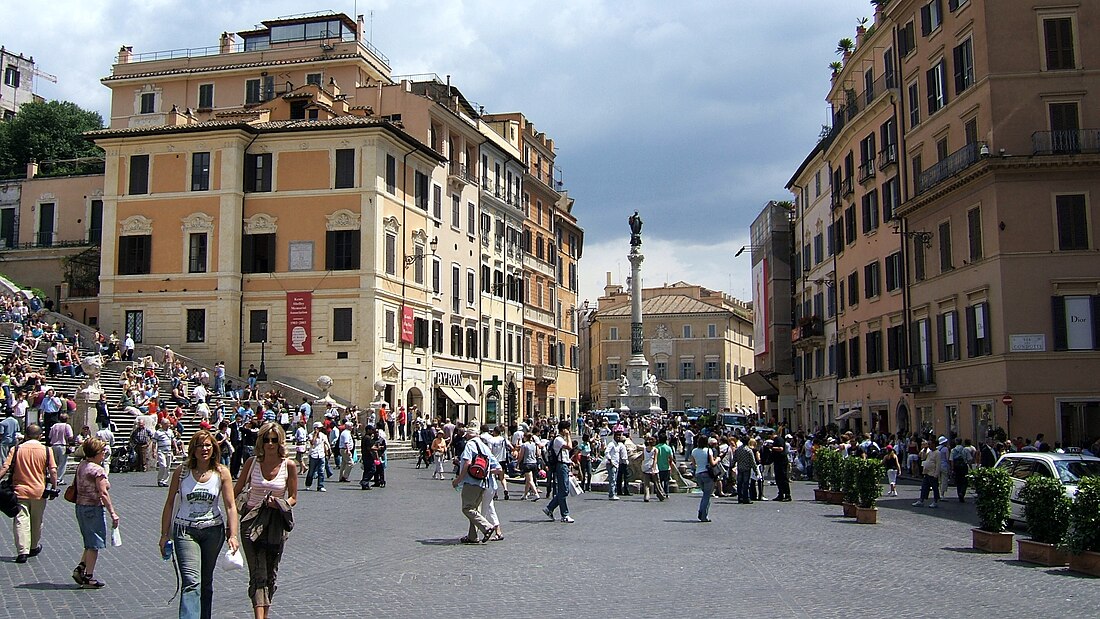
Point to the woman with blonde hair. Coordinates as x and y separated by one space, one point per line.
93 499
199 515
269 482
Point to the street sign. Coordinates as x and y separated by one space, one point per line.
1007 400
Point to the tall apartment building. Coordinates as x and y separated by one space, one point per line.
283 195
699 341
813 279
968 118
17 87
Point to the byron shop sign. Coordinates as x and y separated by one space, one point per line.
447 378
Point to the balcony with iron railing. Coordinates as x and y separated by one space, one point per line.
918 378
461 174
866 170
808 332
1066 142
888 156
951 165
853 102
847 187
49 240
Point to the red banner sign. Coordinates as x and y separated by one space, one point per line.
299 317
407 325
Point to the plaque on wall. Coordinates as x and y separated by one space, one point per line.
301 255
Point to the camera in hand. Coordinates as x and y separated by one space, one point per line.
51 493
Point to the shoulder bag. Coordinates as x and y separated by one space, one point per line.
9 503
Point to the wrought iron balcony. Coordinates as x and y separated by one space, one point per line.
459 173
953 164
1066 142
917 378
866 170
808 332
847 187
887 156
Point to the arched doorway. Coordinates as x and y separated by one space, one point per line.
414 406
903 419
473 408
664 403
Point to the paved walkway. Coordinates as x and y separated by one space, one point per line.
393 552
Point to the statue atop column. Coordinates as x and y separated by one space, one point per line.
635 222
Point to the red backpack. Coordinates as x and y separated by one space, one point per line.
479 464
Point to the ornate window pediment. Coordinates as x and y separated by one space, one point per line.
135 225
261 223
390 224
342 219
198 222
420 236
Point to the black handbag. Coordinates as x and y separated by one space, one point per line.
9 503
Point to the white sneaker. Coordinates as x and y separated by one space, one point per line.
918 503
933 505
568 520
321 490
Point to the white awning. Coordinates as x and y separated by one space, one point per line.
458 396
855 412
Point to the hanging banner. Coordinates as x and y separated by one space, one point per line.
299 317
407 325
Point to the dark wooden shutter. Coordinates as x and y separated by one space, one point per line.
1058 319
972 333
960 70
247 254
250 172
345 168
139 174
941 337
926 20
330 250
1096 321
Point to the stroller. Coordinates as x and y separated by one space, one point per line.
123 459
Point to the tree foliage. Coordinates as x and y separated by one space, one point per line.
46 131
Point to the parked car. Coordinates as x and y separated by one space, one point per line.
1065 467
762 430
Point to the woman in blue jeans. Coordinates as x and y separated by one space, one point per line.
199 516
561 446
704 458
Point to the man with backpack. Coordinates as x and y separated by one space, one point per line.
961 460
474 466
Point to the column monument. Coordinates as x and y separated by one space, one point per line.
637 387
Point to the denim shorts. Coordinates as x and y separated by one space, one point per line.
93 526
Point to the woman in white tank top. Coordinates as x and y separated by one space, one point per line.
199 516
269 477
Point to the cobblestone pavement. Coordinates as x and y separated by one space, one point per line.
393 552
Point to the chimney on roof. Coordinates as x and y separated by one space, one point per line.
32 169
333 87
125 53
359 28
225 46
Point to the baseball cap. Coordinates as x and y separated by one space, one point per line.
318 424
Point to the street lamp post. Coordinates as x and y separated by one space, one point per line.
262 374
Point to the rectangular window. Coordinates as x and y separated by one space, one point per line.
437 202
206 96
437 337
391 174
391 327
437 276
931 17
456 288
257 326
1058 39
196 325
200 171
853 289
471 288
313 79
964 65
196 252
258 253
418 263
936 82
342 250
907 39
974 232
712 331
341 324
471 218
1075 321
613 333
947 327
850 224
661 370
456 212
257 172
830 239
134 254
895 347
612 371
11 76
853 357
420 333
889 71
872 281
870 211
893 271
135 324
819 248
874 351
252 91
945 247
840 294
139 174
95 224
891 198
148 102
711 370
420 190
345 168
978 339
914 104
1073 231
687 332
687 370
390 254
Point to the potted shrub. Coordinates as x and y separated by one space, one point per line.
1083 537
994 489
1046 509
824 462
869 474
848 485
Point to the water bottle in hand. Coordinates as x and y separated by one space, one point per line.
166 552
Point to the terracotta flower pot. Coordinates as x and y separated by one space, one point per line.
836 497
849 510
820 495
1038 552
867 515
992 542
1087 563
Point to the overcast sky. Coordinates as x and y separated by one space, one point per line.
695 113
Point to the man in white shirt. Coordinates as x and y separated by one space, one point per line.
128 348
198 394
346 444
614 454
164 440
497 444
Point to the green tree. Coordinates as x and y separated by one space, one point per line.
46 131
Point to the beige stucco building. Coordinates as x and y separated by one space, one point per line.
698 341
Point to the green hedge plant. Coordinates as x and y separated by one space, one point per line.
825 465
994 489
1046 509
1084 518
869 474
848 479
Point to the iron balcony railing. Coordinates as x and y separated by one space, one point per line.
866 170
847 187
462 172
918 377
1066 142
240 47
951 165
887 156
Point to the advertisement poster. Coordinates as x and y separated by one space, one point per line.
299 317
760 307
407 325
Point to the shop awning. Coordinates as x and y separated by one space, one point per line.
760 384
855 412
458 396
